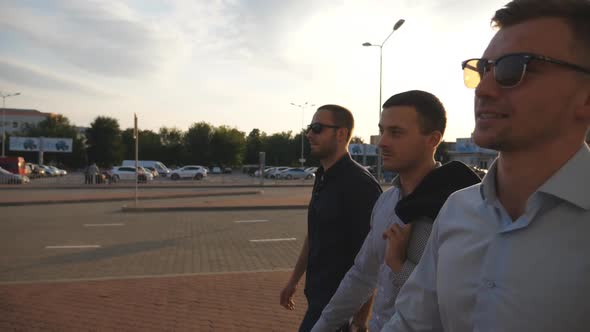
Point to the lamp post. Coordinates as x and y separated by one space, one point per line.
4 96
397 25
303 106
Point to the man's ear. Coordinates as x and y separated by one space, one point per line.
342 134
434 139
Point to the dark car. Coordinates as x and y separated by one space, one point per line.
61 145
30 145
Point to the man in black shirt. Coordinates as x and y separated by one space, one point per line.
339 214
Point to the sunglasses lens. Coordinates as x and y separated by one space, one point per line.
316 128
509 70
472 73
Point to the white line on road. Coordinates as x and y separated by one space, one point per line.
103 225
74 247
274 240
250 221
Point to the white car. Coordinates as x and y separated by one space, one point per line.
295 173
194 172
275 173
311 169
51 171
59 171
7 177
127 173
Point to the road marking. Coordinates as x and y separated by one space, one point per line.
250 221
74 247
274 240
103 225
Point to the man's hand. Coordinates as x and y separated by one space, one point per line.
397 237
287 295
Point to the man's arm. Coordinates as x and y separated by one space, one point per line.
360 320
417 303
298 271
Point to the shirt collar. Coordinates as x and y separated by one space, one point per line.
336 168
487 189
568 183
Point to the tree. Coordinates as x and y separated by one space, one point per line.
198 143
57 125
150 145
279 149
254 145
174 151
104 142
228 146
357 140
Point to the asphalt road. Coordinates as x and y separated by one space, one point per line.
96 240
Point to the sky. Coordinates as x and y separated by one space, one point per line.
240 63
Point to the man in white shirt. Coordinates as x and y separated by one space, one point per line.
511 254
412 125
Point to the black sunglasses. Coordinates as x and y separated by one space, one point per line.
509 69
317 127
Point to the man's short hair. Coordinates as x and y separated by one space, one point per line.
431 112
576 13
342 117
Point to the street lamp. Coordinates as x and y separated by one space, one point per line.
303 106
397 25
4 96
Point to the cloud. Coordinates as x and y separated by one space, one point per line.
104 38
37 78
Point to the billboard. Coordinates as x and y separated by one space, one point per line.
362 149
45 144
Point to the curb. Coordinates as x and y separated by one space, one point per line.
129 209
116 199
167 186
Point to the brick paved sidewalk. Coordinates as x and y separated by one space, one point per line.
216 302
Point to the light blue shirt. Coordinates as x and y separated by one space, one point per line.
483 272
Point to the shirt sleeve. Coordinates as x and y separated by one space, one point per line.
417 302
356 287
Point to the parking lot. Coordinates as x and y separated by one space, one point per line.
195 270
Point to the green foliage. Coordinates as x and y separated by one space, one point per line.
104 140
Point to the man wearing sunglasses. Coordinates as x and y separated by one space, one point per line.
412 126
339 214
511 254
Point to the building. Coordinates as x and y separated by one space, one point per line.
465 151
16 120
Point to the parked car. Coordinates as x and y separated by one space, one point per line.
194 172
227 170
153 171
311 169
50 171
275 172
127 173
36 170
216 170
295 173
7 177
159 166
266 170
59 171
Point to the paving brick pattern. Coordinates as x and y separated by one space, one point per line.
216 302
